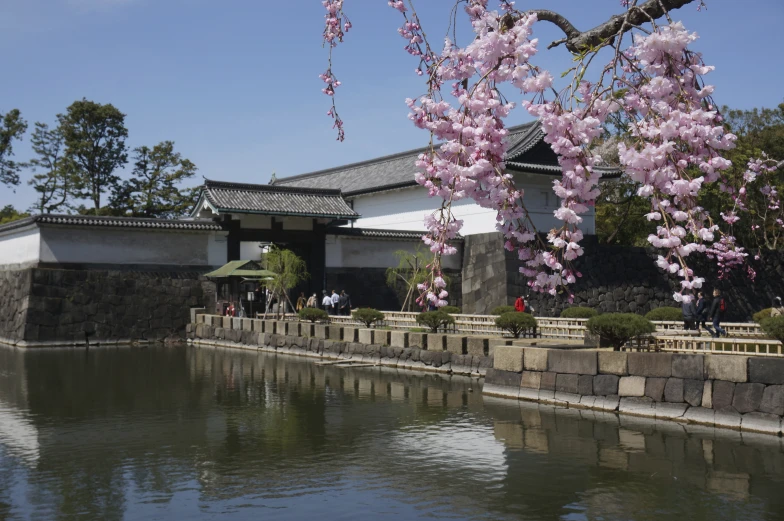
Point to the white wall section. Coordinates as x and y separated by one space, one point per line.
21 247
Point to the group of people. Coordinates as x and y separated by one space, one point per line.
698 314
334 304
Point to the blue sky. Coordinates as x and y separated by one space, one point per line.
235 82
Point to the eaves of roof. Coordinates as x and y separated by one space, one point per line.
373 233
113 222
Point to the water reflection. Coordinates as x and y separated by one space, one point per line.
187 433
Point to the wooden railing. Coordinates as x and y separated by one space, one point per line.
695 344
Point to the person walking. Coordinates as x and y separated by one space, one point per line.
344 304
335 300
703 305
312 302
716 314
301 302
689 311
519 304
326 302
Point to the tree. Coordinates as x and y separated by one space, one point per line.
411 270
12 127
9 214
367 316
515 323
53 183
94 137
619 328
653 82
289 271
435 320
154 190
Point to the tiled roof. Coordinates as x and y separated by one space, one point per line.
114 222
277 200
371 233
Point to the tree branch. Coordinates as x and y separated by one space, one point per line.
577 41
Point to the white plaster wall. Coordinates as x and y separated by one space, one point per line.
248 220
351 252
122 246
250 250
406 209
217 244
20 247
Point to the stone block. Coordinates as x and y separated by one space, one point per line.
270 326
508 358
773 400
227 322
436 342
398 339
611 362
637 406
257 325
503 391
722 394
585 385
761 422
566 383
707 394
506 378
654 388
216 321
382 337
307 329
691 367
727 418
730 368
478 346
699 415
350 334
630 386
670 411
747 397
365 336
456 344
196 313
291 328
650 364
236 323
766 370
532 380
418 340
572 362
535 359
673 391
607 403
548 381
605 384
335 333
247 324
321 331
693 391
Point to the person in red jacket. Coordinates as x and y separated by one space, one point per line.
520 304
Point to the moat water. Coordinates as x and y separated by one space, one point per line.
180 433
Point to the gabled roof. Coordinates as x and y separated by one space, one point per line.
526 147
274 200
114 222
372 233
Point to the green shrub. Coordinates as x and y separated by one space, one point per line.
367 316
759 316
774 327
313 315
579 312
435 319
452 310
665 314
500 310
619 328
515 323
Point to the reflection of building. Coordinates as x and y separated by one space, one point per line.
345 222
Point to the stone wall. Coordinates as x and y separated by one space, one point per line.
59 305
442 353
728 391
615 279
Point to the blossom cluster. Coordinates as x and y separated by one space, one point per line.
336 25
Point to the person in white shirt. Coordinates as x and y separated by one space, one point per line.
326 303
335 301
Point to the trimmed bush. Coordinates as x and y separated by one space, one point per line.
759 316
313 315
367 316
435 320
515 323
500 310
774 327
619 328
452 310
665 314
579 312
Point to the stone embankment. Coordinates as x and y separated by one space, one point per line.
725 391
442 353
